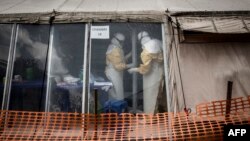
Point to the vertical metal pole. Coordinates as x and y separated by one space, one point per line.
134 75
165 46
50 51
85 85
89 66
85 68
229 97
9 70
10 66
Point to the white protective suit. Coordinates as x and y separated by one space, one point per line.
115 64
152 71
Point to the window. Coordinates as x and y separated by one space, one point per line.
47 70
5 37
65 68
126 68
28 85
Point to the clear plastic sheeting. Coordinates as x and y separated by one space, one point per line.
65 68
5 37
42 67
28 76
126 68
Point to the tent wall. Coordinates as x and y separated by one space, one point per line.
175 93
216 24
207 67
201 37
64 11
38 6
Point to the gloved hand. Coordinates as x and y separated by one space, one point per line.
130 65
106 88
70 79
128 55
131 70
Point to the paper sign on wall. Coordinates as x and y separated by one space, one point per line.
99 32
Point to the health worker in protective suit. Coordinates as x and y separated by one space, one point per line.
115 65
151 69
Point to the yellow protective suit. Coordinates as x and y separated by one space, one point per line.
152 70
115 64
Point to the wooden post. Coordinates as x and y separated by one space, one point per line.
229 97
96 114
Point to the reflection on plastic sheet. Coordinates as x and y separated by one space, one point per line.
66 72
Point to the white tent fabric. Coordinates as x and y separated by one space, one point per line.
199 72
37 11
215 24
207 67
40 6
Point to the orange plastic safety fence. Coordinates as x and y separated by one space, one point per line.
17 125
22 125
219 108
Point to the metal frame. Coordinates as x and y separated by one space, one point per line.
50 49
85 66
89 68
10 66
165 47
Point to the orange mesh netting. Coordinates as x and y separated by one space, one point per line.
218 108
21 125
17 125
